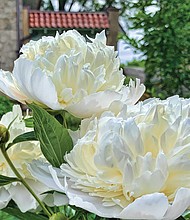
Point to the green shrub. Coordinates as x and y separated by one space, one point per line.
5 105
165 43
136 63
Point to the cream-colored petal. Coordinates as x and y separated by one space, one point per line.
9 88
22 197
132 93
179 205
93 104
90 203
151 206
47 175
36 85
5 197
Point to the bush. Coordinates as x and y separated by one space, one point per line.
165 44
136 63
5 105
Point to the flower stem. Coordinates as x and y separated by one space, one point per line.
3 150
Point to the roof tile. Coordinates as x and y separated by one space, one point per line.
45 19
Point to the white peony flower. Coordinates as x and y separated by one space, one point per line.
133 166
66 72
20 154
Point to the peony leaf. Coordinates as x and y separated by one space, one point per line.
54 139
23 216
28 136
4 180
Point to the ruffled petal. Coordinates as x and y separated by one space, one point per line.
60 199
5 197
22 197
8 87
47 175
150 206
132 93
180 204
91 203
93 104
35 84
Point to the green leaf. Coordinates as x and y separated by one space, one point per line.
54 139
186 215
23 216
28 136
29 122
4 180
180 218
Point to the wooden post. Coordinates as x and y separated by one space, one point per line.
113 16
25 21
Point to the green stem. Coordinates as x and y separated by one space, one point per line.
3 150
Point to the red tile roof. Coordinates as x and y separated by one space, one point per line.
78 20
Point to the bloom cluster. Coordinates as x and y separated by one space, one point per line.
127 160
81 77
21 154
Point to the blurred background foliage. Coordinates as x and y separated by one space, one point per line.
165 44
5 106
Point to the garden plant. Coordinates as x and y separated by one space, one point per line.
88 149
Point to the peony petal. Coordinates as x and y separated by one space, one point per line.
180 204
8 87
22 197
60 199
35 84
150 206
47 175
56 199
10 116
5 197
91 203
93 104
132 93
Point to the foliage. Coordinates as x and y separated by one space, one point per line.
136 63
5 105
28 136
72 122
23 216
82 5
6 216
4 180
165 43
54 139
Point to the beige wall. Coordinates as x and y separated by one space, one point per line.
8 34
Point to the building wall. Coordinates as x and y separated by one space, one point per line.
8 34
